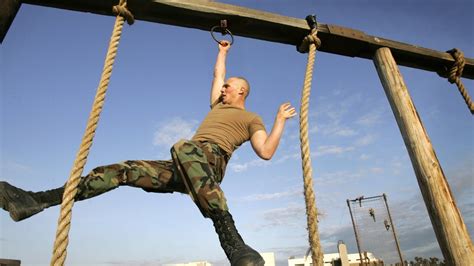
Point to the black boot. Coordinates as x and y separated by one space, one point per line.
23 204
238 253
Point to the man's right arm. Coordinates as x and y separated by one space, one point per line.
219 71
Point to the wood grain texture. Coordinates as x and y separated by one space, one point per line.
448 224
203 14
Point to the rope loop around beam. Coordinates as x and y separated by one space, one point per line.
457 68
122 10
64 222
312 41
309 39
455 73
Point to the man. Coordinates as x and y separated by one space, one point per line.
197 166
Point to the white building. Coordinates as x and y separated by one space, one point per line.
269 258
197 263
341 258
329 259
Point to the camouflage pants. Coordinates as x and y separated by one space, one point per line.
196 168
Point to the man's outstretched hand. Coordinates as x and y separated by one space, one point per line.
286 111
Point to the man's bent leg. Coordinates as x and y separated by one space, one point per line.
197 164
238 253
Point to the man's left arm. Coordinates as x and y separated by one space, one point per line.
265 145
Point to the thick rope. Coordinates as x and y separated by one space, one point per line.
70 191
310 42
455 73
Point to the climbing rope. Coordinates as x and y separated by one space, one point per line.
455 73
310 43
70 191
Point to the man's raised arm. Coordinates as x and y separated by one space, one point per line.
219 71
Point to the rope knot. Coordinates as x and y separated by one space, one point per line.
309 39
455 72
313 39
122 10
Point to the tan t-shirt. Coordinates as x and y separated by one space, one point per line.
228 127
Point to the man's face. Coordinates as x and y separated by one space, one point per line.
231 90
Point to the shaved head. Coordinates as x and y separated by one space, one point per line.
245 84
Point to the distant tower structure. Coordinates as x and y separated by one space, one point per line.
374 229
342 249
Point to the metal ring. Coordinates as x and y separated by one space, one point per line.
225 31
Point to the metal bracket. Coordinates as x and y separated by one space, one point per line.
222 28
311 20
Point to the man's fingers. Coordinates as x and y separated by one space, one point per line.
287 111
285 106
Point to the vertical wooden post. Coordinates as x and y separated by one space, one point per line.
449 227
8 10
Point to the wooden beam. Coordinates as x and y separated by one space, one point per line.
449 227
8 10
203 14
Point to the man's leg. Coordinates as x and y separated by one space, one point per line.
198 164
22 204
152 176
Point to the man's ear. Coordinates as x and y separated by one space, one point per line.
242 90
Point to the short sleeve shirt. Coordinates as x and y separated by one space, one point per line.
228 126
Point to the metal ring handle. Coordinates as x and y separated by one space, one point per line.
225 31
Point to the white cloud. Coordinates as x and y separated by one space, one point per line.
11 170
173 130
369 119
376 170
460 178
399 164
287 157
333 128
290 215
240 167
272 196
332 149
365 140
338 177
345 132
313 129
14 167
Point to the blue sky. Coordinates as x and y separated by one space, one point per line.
50 65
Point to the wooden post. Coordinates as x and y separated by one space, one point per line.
449 227
8 10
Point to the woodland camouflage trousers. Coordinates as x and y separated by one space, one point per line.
196 168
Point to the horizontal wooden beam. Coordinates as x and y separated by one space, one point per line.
203 14
8 10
